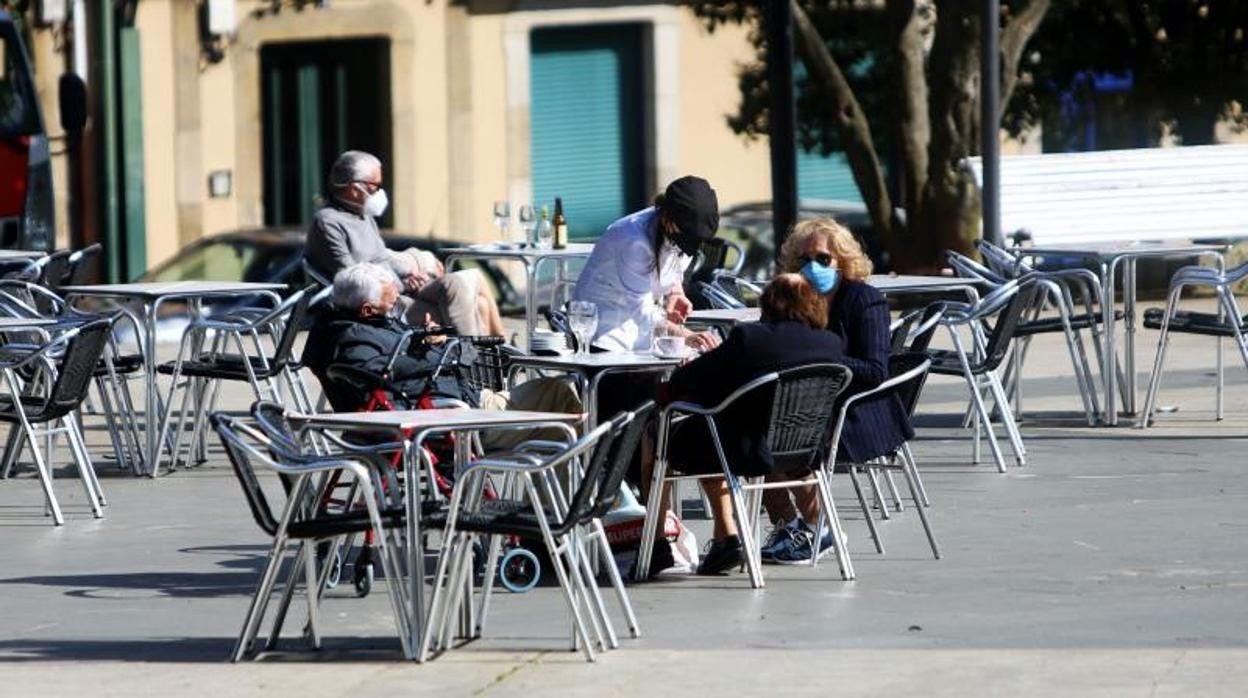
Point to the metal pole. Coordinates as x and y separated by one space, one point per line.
990 119
783 118
107 195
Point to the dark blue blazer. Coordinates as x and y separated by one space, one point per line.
751 350
858 314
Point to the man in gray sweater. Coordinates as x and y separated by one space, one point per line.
344 233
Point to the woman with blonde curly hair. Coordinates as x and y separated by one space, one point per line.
832 260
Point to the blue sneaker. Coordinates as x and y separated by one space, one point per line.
800 542
779 539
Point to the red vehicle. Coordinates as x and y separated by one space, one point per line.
26 212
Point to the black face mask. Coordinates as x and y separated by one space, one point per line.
688 244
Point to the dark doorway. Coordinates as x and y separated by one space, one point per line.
320 98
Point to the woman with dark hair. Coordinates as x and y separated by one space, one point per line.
789 334
636 271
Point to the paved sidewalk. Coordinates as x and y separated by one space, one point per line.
1115 562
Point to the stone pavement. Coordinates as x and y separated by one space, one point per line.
1115 562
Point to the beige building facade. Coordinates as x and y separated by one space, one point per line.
457 81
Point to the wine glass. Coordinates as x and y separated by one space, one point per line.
528 221
583 319
502 218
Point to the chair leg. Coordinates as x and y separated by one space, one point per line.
613 573
255 612
898 506
651 525
907 455
877 493
82 461
565 583
745 525
981 410
1007 417
911 480
866 511
1163 343
487 583
828 508
308 552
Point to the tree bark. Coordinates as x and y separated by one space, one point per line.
948 219
912 124
852 123
1014 39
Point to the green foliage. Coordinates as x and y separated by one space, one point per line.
1188 59
857 33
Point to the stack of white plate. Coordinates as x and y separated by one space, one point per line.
546 340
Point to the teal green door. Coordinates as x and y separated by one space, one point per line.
587 118
319 99
825 177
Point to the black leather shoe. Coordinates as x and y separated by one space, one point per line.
721 556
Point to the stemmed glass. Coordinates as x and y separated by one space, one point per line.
502 218
583 320
528 222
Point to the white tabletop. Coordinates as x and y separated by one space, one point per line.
1106 250
167 289
514 251
21 254
10 323
599 360
886 283
418 420
726 315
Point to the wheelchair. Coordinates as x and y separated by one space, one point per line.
476 363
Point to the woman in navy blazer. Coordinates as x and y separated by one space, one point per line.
830 258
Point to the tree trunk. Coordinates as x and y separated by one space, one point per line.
852 124
948 219
913 129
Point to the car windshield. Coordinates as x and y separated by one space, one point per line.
18 113
227 260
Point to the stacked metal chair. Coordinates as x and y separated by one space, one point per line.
1055 293
1228 321
45 387
569 528
231 349
300 523
978 364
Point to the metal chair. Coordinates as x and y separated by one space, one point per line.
798 415
204 370
979 365
1227 322
540 511
1058 295
725 290
909 373
115 373
246 445
54 389
1077 286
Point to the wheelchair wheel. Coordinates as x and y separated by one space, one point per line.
519 570
362 580
335 570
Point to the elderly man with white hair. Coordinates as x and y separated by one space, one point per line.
361 331
344 232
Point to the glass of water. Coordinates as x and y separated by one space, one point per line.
583 320
502 219
528 221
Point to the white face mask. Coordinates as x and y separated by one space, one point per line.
376 203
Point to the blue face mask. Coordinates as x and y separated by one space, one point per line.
824 279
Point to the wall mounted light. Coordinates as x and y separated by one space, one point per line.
220 183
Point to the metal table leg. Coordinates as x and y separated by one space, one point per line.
1109 369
